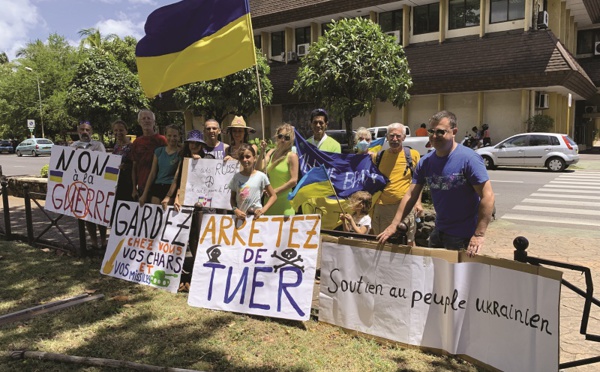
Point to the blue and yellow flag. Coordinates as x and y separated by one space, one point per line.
315 183
194 40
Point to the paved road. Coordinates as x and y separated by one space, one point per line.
13 165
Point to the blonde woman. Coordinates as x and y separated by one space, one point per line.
362 140
281 165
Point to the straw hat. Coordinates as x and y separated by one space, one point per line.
195 136
239 122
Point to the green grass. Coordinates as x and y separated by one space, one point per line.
144 325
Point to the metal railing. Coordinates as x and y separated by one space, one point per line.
520 254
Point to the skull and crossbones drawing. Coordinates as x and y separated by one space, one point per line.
288 257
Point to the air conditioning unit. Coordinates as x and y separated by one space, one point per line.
291 56
302 49
541 101
395 34
542 20
597 48
591 109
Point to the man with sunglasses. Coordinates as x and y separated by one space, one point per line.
396 164
460 188
318 120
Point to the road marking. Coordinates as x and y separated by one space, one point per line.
574 183
579 178
536 218
567 189
507 181
560 195
556 210
571 187
561 202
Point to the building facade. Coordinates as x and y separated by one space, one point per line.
489 61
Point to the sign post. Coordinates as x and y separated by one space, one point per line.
31 126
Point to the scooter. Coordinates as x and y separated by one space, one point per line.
471 142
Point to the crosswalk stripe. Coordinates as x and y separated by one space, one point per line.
571 187
583 183
561 202
578 178
563 189
560 195
502 181
537 218
556 210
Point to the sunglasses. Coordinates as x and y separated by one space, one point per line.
287 138
438 132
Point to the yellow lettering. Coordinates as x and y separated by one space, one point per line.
209 228
226 223
253 231
292 231
279 219
312 232
236 235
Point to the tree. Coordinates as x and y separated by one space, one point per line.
3 58
103 90
234 94
539 123
350 67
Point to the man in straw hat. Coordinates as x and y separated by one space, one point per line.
239 133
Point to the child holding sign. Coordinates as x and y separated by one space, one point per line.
248 185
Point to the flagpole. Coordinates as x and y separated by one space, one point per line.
333 188
262 116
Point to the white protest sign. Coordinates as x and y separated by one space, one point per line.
468 308
147 245
82 183
206 182
263 267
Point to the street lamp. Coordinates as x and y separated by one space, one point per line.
37 78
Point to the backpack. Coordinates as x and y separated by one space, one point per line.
409 162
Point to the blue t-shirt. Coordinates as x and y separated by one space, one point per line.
167 166
451 179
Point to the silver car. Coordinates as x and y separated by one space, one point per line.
34 146
551 150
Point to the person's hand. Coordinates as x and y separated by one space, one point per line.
239 214
258 212
176 204
385 234
345 217
196 156
227 158
142 199
263 145
419 211
165 202
134 194
475 245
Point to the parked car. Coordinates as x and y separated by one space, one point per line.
34 146
340 136
6 146
551 150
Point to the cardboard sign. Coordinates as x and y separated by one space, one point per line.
501 313
82 183
147 245
206 182
263 266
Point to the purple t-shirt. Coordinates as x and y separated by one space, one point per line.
451 179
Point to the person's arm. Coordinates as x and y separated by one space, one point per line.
150 180
351 226
236 211
134 193
406 205
293 167
263 157
272 199
484 216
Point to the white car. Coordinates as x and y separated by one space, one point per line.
551 150
421 144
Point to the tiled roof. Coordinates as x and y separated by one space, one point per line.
593 9
506 60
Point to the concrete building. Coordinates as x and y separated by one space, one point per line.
489 61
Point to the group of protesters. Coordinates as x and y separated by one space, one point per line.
151 172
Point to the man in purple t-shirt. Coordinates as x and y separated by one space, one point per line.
460 188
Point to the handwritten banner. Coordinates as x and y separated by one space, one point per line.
501 313
82 183
147 245
206 182
263 267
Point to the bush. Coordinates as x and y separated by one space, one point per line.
44 171
539 123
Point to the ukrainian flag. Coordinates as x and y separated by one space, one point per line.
315 183
376 145
194 40
111 174
56 176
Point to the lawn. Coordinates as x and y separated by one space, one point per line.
145 325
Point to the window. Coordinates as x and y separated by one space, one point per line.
463 13
325 27
426 18
391 21
257 41
277 43
516 142
586 41
303 35
539 140
506 10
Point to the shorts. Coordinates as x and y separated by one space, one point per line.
383 215
439 239
159 190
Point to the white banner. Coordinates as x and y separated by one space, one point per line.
82 183
207 181
147 245
263 267
505 318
